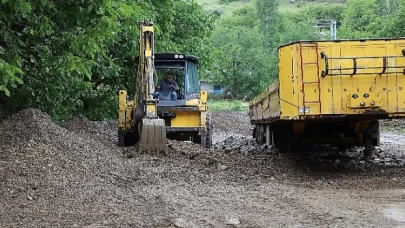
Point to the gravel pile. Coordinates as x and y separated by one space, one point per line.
76 176
102 129
232 122
53 177
393 123
233 132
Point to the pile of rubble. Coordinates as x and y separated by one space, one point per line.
75 175
396 123
51 176
101 129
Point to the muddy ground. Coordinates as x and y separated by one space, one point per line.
76 176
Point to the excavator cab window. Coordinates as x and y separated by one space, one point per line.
193 81
178 76
184 69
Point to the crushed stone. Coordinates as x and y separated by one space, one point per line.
75 175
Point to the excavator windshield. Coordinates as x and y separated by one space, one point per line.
192 80
178 76
184 71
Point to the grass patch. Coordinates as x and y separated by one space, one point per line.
287 7
284 6
227 105
227 8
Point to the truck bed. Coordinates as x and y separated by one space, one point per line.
322 80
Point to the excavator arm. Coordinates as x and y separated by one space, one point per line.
138 119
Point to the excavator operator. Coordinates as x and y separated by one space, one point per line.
167 86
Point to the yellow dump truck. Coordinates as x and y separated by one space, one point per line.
331 92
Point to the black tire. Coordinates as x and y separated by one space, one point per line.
291 142
121 139
208 134
284 140
210 127
371 136
260 134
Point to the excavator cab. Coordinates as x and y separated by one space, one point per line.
184 69
187 117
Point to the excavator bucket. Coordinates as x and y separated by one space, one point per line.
152 135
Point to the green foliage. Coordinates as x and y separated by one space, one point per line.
358 19
71 57
373 19
291 30
389 6
333 12
245 68
187 31
392 19
227 105
227 1
247 42
269 19
8 76
56 45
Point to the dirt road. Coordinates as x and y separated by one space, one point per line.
76 176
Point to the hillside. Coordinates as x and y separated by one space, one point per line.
284 5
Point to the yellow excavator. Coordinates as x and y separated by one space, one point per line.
148 119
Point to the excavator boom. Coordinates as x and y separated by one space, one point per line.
138 119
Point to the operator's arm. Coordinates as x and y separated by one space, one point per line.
176 87
159 85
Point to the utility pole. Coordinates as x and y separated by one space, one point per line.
325 24
333 30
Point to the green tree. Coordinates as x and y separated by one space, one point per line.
188 31
291 30
387 25
360 18
246 68
56 45
269 18
73 56
388 6
331 12
249 64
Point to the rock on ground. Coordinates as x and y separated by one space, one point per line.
75 175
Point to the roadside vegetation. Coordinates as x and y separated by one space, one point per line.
228 105
71 57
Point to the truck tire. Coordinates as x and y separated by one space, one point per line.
284 140
205 140
210 128
260 134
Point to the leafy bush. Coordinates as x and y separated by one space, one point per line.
227 1
72 57
226 105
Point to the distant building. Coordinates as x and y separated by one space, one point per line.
212 88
